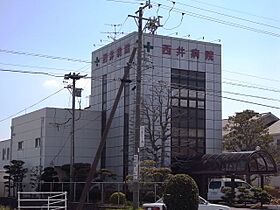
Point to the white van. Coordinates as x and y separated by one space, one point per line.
216 187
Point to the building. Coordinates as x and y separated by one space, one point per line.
42 138
5 160
182 77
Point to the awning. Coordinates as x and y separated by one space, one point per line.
227 163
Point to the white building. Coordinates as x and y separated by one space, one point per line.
190 69
5 160
42 138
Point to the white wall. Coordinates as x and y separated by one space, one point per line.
4 153
53 127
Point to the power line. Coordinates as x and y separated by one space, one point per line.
13 115
126 2
234 10
43 56
33 66
226 15
229 23
225 97
177 26
250 75
30 72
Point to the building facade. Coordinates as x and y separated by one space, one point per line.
180 99
42 138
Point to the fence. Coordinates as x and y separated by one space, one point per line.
42 200
101 191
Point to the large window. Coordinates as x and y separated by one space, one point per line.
188 112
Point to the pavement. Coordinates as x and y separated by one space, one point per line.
269 207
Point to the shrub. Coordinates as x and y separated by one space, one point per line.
118 198
244 195
181 192
149 197
261 195
229 196
273 191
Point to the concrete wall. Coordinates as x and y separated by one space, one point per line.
42 138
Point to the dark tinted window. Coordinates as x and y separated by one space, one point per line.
215 185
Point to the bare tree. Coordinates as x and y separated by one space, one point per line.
156 113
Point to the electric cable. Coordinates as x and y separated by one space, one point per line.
43 56
13 115
226 15
224 22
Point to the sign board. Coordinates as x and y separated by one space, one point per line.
142 136
135 167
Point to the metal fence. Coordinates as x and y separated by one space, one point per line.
100 192
42 200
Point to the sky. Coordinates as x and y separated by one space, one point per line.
249 35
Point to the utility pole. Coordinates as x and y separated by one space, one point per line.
74 77
138 106
106 131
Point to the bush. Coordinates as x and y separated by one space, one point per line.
149 197
273 191
261 195
118 198
181 192
229 196
244 196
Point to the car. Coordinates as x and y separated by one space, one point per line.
217 186
203 205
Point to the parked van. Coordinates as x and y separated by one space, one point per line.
216 187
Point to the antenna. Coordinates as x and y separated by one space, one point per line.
216 40
113 34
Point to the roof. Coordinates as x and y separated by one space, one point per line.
274 128
248 162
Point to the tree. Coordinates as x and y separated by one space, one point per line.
244 195
48 177
261 195
181 192
156 110
16 173
35 177
229 195
246 131
81 171
150 173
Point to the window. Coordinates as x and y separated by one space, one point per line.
278 142
3 154
200 104
8 153
192 103
37 142
20 145
215 185
184 103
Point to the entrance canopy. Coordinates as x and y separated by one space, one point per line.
249 162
